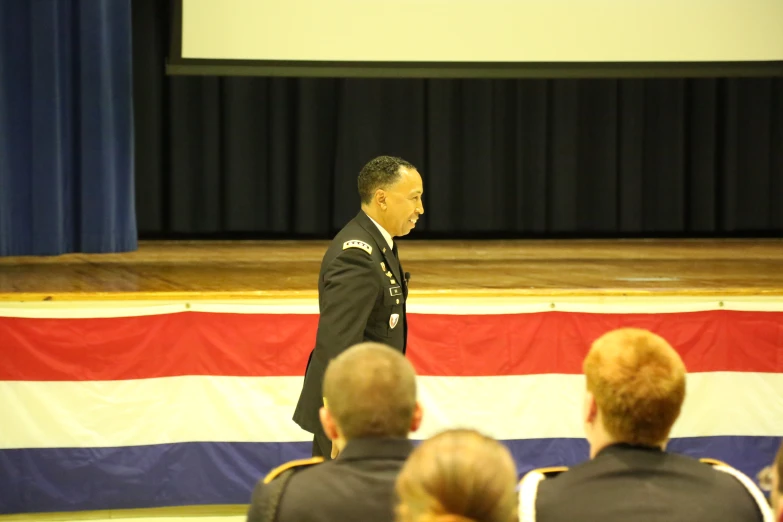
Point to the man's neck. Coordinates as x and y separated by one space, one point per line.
603 443
375 219
597 447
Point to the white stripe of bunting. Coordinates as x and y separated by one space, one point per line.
259 409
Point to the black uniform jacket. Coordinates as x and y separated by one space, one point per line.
358 486
361 297
630 483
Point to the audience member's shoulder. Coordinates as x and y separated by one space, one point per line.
291 467
732 482
532 487
269 490
729 486
532 481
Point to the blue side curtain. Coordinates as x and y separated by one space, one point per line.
66 127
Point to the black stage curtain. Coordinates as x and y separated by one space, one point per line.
278 157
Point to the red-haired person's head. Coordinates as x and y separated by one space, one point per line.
635 389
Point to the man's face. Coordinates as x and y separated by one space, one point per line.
403 203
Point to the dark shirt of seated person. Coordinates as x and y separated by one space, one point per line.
370 410
771 479
458 476
635 390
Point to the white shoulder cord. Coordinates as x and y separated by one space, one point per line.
528 490
758 496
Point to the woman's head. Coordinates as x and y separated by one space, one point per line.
458 476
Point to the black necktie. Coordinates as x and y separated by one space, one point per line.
397 259
399 270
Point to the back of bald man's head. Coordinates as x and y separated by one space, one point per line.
370 391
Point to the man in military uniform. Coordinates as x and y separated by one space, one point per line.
635 391
362 288
370 391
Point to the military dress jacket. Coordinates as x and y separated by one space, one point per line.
357 486
362 291
641 484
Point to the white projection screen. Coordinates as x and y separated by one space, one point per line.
477 37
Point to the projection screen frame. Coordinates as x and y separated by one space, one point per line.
176 65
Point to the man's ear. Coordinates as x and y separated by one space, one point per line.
380 198
418 413
328 424
590 408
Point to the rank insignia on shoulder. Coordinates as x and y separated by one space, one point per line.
291 465
355 243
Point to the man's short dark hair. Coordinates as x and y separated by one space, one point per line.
380 172
370 390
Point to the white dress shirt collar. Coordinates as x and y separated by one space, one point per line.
385 234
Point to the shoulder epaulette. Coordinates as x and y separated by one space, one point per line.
750 486
291 465
551 471
713 462
355 243
528 490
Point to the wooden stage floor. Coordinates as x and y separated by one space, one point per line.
287 269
